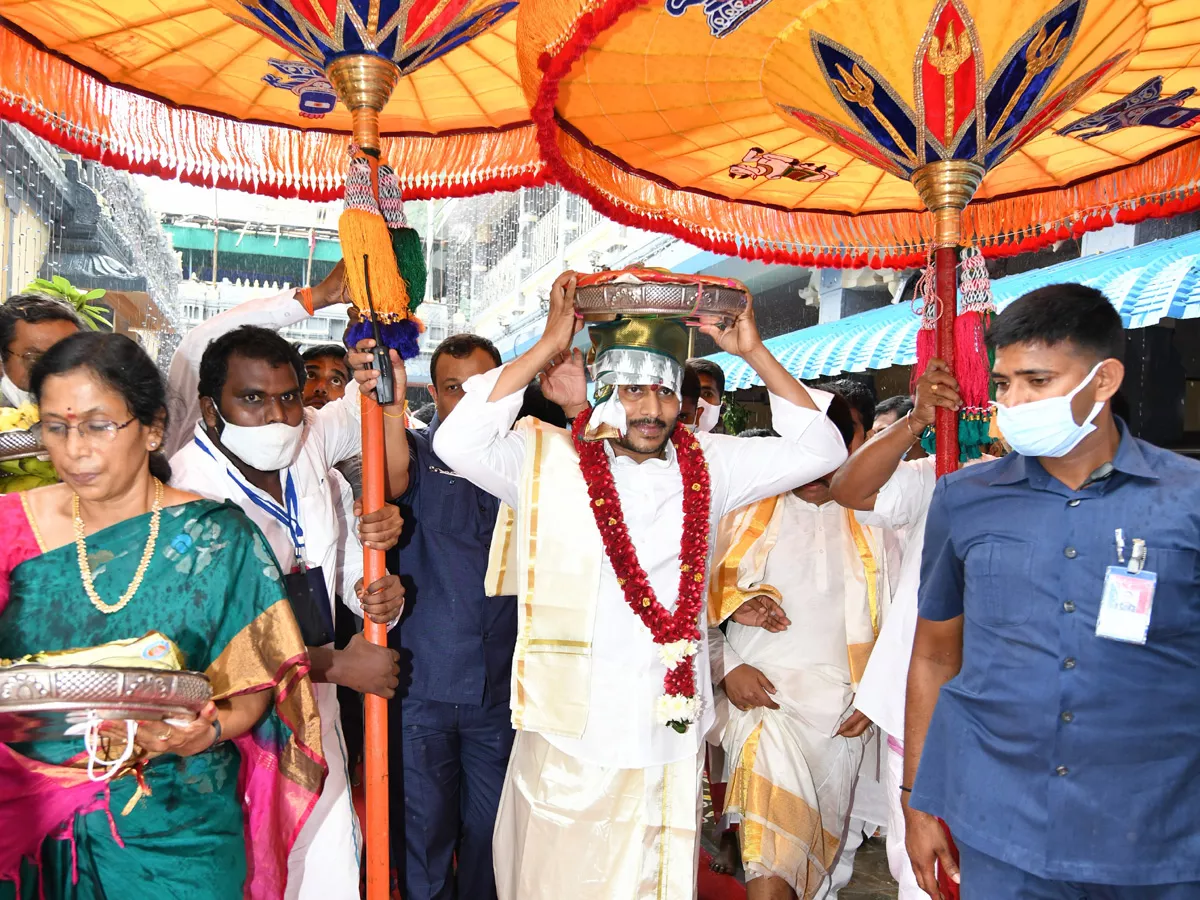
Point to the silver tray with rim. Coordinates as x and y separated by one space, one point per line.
606 301
52 702
18 445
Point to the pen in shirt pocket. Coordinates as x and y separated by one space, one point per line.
1119 536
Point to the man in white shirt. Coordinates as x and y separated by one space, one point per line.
602 795
895 493
794 739
255 445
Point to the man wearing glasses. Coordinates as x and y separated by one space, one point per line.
30 324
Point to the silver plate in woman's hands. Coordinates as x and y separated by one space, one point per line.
40 703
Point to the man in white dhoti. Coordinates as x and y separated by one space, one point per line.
608 542
894 492
794 742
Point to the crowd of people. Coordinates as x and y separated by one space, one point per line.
595 602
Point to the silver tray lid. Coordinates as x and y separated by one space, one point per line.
691 300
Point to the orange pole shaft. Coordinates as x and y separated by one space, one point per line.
376 742
946 421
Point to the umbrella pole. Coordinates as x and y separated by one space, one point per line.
376 712
946 187
364 84
945 260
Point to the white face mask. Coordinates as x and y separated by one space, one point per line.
15 395
1046 427
268 448
710 416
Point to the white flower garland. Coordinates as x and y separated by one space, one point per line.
676 652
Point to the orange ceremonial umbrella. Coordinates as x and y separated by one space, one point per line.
245 94
236 95
869 132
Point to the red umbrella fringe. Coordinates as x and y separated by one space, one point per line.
91 118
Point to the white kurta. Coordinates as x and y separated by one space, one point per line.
624 796
901 504
324 861
622 730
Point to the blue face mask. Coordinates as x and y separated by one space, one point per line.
1047 427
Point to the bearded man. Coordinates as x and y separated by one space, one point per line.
607 547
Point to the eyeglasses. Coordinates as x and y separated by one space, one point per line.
93 431
29 357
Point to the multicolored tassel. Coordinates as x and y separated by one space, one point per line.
973 365
373 228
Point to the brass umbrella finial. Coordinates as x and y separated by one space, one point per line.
364 83
946 186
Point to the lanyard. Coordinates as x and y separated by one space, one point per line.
288 517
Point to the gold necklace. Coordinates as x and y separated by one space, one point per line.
85 569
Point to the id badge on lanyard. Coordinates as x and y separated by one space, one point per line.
1128 597
305 585
306 590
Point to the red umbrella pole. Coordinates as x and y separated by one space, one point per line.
945 261
946 187
375 746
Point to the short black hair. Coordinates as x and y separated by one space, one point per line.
689 388
425 412
857 394
712 370
248 342
121 364
759 432
901 405
460 346
1061 313
840 415
536 404
337 351
32 308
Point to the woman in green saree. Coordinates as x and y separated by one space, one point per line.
203 811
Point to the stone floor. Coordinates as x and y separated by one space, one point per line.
871 878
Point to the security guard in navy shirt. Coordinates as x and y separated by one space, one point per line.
1054 690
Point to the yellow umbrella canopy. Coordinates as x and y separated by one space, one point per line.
794 131
235 94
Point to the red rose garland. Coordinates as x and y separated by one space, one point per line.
666 628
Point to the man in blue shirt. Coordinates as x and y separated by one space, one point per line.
1054 691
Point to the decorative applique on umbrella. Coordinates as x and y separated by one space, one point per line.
236 94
